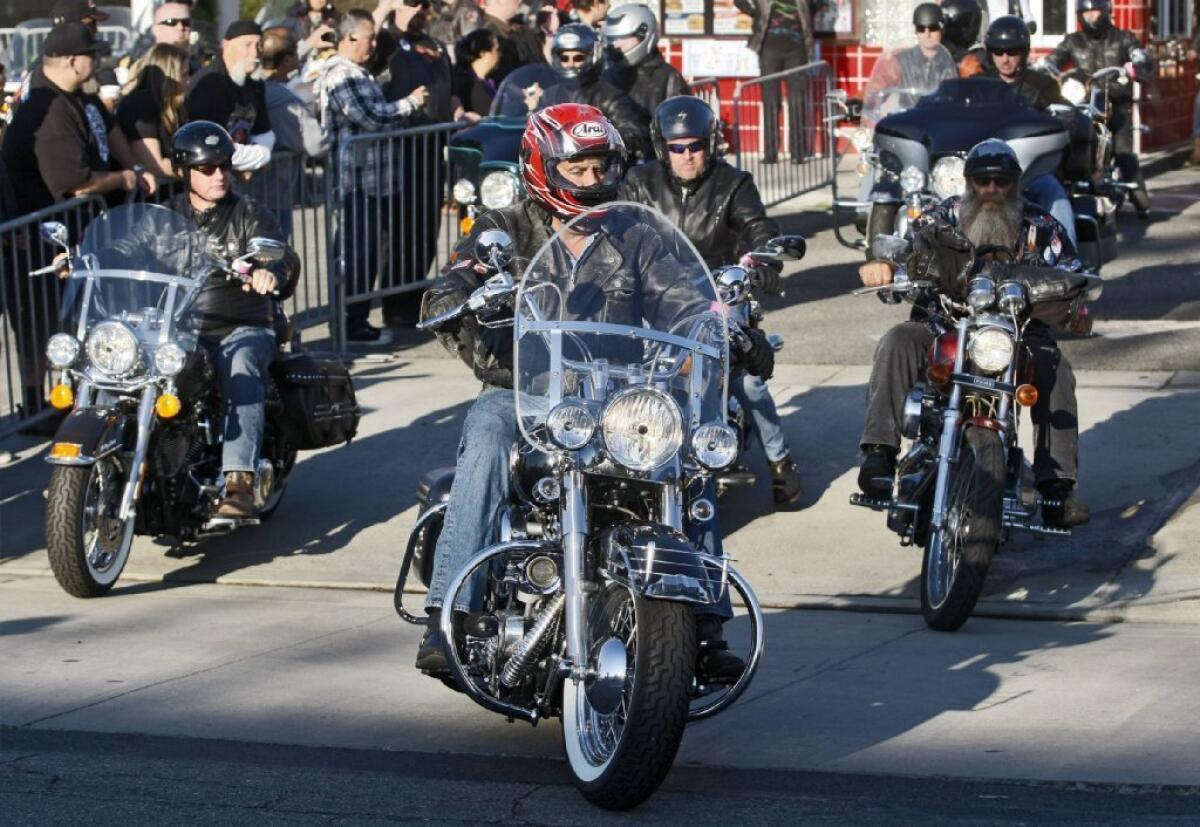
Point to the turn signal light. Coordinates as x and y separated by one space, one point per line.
62 397
1027 395
939 373
66 450
168 406
914 213
465 224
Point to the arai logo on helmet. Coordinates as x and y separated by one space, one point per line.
589 129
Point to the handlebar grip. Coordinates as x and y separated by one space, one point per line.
442 318
45 271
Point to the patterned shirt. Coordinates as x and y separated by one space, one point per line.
352 103
1041 241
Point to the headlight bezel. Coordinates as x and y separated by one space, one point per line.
947 177
132 359
464 192
862 139
669 445
991 349
169 359
1074 90
510 194
64 343
702 448
911 180
571 425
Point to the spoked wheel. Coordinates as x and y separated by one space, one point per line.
622 725
957 556
87 542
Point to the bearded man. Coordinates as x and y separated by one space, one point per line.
991 212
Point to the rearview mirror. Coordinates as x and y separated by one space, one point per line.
890 248
784 248
265 250
495 248
55 232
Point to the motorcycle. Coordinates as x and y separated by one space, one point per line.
140 450
913 157
964 484
586 610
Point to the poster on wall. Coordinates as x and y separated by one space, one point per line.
833 17
718 58
728 20
683 17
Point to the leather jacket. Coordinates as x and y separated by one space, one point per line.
649 83
759 11
1037 89
222 304
722 214
619 108
1110 47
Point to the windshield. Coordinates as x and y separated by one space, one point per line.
618 299
141 263
901 77
510 97
974 92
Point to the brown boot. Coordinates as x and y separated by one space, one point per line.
239 495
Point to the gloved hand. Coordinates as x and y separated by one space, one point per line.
759 357
769 278
941 254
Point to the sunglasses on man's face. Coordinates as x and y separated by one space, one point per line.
573 60
923 29
172 22
985 181
680 149
1006 52
209 170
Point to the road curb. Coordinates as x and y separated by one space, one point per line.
1165 160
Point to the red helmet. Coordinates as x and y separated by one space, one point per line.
565 132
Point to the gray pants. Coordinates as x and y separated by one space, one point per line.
900 362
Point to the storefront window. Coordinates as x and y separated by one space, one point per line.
1174 18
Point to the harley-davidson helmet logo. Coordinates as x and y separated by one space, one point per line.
589 129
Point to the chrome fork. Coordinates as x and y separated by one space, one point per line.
145 421
949 438
574 541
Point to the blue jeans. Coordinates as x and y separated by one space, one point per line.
755 397
482 488
242 360
1048 193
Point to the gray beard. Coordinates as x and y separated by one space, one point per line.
988 223
239 74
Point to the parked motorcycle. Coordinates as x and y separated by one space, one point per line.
964 485
586 611
140 453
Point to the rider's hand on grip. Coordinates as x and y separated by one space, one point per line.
876 273
759 357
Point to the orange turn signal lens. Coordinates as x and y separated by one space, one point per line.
1027 395
939 373
168 406
66 450
465 224
913 213
62 397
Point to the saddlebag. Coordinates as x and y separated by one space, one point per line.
319 408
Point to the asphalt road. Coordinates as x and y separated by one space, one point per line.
64 777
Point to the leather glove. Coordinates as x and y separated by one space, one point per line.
941 254
769 279
758 357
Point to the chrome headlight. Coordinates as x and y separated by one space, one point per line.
947 177
62 350
981 292
862 138
571 425
642 428
463 192
912 180
1074 91
112 347
991 349
715 445
169 359
498 189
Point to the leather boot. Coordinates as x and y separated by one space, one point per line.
238 501
876 474
785 483
714 662
1071 510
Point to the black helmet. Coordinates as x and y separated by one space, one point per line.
961 20
927 14
684 116
576 37
992 157
200 143
1103 6
1007 32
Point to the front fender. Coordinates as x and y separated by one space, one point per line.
89 434
660 563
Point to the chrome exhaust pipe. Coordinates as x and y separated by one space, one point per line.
532 644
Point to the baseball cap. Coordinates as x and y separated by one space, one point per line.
74 39
241 28
76 11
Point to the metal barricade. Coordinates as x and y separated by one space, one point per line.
780 132
709 91
390 222
29 308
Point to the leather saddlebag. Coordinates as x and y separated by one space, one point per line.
319 408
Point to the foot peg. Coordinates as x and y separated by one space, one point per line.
874 503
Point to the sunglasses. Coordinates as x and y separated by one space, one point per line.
1007 52
172 22
923 29
572 60
679 149
984 181
208 170
414 3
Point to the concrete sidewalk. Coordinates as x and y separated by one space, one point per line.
346 515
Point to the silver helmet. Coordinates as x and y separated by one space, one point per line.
632 20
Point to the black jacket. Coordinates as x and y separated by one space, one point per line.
222 304
760 12
1091 54
626 116
722 215
1038 89
649 83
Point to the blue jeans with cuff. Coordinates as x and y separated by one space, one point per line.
755 397
242 360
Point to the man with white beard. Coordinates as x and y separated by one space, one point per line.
990 212
232 95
